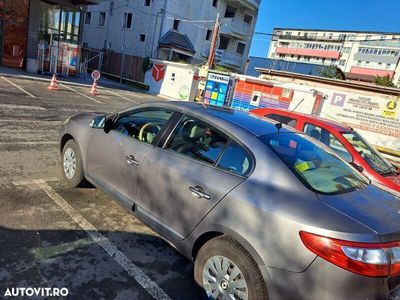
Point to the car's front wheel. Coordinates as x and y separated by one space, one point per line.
72 165
227 271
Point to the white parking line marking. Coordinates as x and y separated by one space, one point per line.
30 182
123 97
79 93
134 271
18 87
29 143
30 121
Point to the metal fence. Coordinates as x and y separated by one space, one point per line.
71 60
68 60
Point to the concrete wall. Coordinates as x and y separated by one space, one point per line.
173 80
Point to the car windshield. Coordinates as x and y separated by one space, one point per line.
369 154
318 167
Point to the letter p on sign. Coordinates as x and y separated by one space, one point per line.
338 99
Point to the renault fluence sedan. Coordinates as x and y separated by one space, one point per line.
264 211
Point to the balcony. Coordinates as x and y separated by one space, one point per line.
308 38
235 27
228 58
371 72
308 52
250 4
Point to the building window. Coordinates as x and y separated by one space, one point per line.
248 19
176 24
215 3
388 66
146 2
128 20
88 18
240 48
224 42
368 37
102 19
142 37
230 11
208 35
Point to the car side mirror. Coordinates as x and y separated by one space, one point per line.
357 167
108 125
98 122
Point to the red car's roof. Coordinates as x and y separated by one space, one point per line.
334 125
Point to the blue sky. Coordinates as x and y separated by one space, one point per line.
369 15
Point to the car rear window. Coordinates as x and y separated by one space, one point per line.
314 164
283 119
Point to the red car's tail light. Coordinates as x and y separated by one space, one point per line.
368 259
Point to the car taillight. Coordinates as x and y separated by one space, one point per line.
368 259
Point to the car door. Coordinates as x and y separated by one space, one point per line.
182 181
114 159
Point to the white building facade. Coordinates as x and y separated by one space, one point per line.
178 30
361 55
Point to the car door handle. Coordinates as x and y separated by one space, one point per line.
131 160
198 192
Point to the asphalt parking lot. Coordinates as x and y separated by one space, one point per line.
78 239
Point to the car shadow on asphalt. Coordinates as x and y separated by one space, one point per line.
70 258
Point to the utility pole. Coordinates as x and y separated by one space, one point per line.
211 56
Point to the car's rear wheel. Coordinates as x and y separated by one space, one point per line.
72 165
227 271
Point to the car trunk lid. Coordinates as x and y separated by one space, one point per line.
373 207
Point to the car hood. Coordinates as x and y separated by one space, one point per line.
374 207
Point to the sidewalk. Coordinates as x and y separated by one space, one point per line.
87 81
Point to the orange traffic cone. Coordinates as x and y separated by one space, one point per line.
93 91
53 84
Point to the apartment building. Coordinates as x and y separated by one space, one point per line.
178 30
361 55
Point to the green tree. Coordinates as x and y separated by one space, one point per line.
331 72
384 81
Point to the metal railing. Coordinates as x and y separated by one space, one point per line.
230 58
235 26
67 59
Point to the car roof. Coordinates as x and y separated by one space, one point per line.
255 125
335 125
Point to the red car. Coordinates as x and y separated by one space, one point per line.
342 139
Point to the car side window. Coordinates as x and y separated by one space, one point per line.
197 139
283 119
143 124
236 160
329 140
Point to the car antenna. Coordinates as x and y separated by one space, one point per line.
279 125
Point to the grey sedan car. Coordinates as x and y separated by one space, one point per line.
263 211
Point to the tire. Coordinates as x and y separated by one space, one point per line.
73 178
224 249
